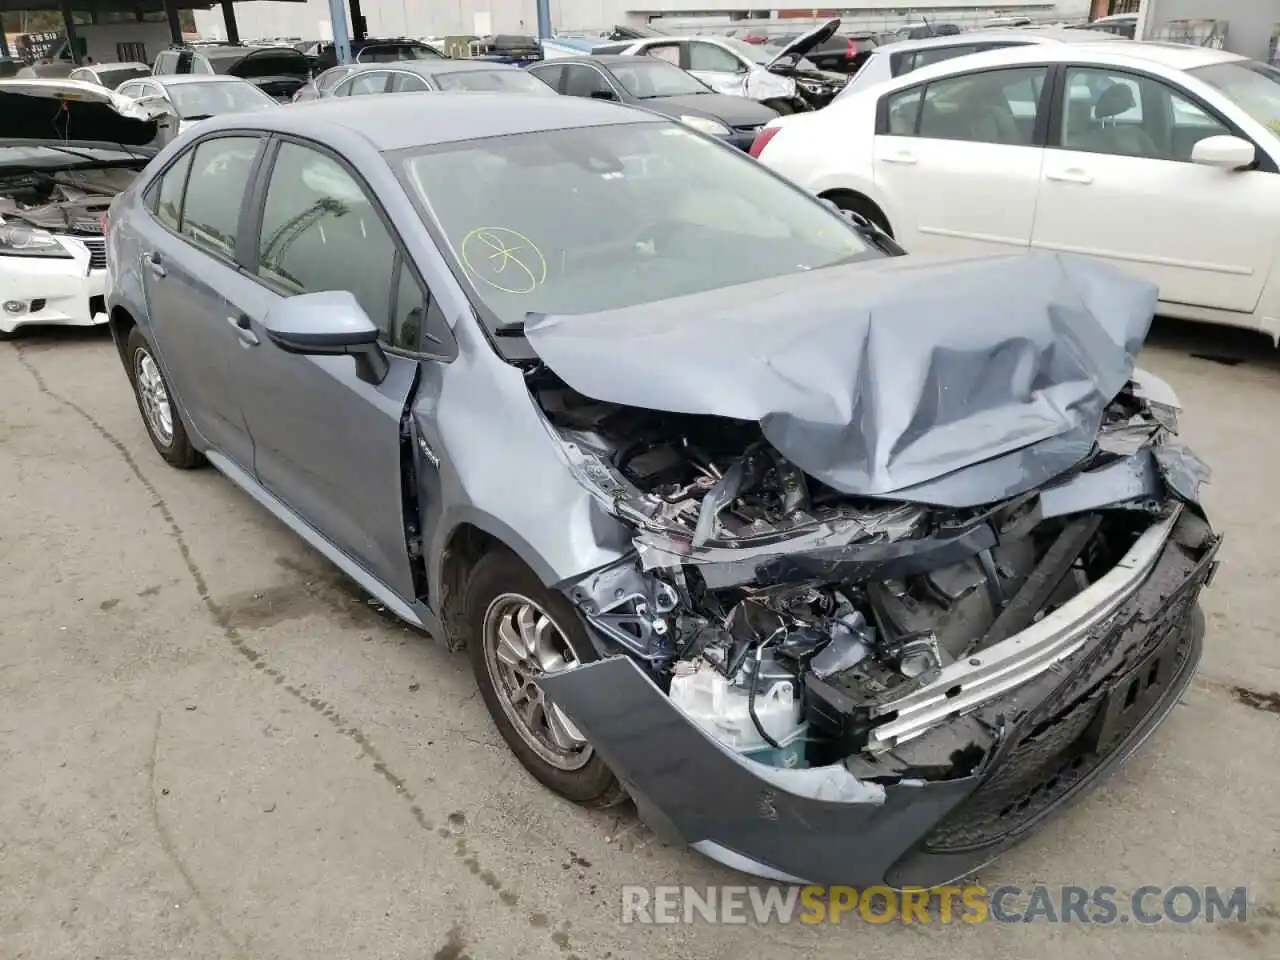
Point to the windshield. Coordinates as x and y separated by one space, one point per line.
598 218
117 75
193 100
510 81
647 78
1254 87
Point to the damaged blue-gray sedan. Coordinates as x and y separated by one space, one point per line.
846 567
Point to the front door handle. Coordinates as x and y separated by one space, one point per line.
152 260
243 330
1073 175
902 156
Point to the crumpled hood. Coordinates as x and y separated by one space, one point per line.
802 44
953 382
72 112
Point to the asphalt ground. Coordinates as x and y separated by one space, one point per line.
212 745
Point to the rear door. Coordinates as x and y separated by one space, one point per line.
1119 185
327 443
193 281
958 160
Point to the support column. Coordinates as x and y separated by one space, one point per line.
341 33
175 25
229 21
4 41
73 41
358 27
544 19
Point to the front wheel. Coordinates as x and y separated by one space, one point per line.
782 107
155 401
517 630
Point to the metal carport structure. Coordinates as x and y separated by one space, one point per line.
94 8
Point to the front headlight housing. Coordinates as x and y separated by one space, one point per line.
20 240
706 125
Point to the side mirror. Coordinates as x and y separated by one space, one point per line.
326 324
603 95
1227 153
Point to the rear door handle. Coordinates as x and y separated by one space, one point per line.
1074 175
152 260
243 330
902 156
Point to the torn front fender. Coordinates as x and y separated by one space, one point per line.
817 825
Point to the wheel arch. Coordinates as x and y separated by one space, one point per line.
860 203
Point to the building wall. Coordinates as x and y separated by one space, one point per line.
417 18
1251 22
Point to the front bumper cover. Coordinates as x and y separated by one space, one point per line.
1060 734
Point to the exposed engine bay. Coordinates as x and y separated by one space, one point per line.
794 622
62 201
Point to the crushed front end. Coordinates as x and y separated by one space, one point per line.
814 686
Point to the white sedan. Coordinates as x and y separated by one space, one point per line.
1162 159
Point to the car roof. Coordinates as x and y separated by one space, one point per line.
604 59
186 79
114 66
1044 35
429 67
1130 53
397 123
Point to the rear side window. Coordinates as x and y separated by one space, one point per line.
364 83
990 106
168 206
550 75
901 63
220 172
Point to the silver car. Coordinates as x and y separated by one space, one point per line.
846 567
195 97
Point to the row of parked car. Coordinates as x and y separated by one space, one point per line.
725 497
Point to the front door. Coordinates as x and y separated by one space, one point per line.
327 443
189 265
1119 185
716 67
957 160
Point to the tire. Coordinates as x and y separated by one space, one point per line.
501 588
782 107
860 205
159 414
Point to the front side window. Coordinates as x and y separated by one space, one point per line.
320 231
1132 116
526 217
994 106
709 57
220 171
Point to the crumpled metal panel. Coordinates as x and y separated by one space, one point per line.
945 382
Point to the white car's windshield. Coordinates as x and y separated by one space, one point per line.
1254 87
647 78
194 100
598 218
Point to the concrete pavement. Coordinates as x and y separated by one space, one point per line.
212 745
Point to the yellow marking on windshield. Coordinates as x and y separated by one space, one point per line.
505 259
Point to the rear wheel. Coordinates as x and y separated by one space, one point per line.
857 203
517 630
155 402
